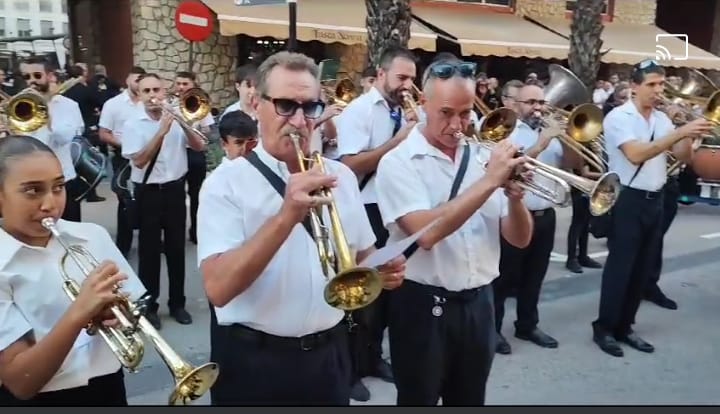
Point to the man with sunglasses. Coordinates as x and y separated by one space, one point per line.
442 335
155 145
525 267
445 66
369 127
637 136
64 123
280 342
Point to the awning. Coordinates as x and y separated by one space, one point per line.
486 33
631 43
327 21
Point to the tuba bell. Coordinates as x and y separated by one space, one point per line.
352 287
125 341
27 111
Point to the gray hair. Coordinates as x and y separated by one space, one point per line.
297 62
515 83
429 85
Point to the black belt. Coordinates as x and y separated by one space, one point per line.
648 195
162 186
304 343
540 213
466 295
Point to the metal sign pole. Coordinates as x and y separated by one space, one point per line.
292 29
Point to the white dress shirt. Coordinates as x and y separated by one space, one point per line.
287 298
117 110
32 299
171 163
365 124
416 176
67 122
234 107
526 137
624 124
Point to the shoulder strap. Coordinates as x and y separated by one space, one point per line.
453 192
274 180
366 179
151 166
652 137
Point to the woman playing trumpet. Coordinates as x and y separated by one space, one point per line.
46 358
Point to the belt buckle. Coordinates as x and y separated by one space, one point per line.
304 343
539 213
649 195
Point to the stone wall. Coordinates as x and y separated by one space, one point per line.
540 8
353 58
635 11
158 47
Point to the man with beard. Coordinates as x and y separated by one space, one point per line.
526 267
115 112
64 122
281 343
155 145
368 128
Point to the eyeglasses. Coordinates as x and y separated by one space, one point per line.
34 75
147 90
447 70
288 107
533 102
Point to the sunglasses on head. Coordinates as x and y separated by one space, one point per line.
447 70
288 107
646 64
34 75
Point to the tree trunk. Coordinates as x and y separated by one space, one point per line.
585 41
388 24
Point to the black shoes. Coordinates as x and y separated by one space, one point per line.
502 346
537 337
382 370
359 392
636 342
154 320
661 300
608 344
181 316
576 265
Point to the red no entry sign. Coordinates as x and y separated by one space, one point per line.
194 21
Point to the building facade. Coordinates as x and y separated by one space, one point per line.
32 18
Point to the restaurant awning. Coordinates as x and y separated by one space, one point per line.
631 43
327 21
484 33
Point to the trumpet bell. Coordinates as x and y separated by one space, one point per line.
27 112
498 124
584 123
353 289
194 105
604 193
194 384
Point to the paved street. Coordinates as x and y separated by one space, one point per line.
685 369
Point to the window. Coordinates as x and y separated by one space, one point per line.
23 28
570 6
46 28
507 3
2 27
65 28
22 5
46 6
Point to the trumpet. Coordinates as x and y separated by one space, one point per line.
27 111
192 106
124 341
410 100
352 287
603 193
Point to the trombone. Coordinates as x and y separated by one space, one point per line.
352 287
192 106
27 111
340 94
124 341
603 193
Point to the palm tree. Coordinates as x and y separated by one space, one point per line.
585 41
388 24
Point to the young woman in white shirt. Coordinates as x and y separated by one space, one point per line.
46 357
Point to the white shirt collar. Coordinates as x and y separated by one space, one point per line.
418 145
277 166
11 246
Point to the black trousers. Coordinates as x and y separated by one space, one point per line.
124 235
197 169
262 369
72 211
525 269
366 338
579 225
633 244
671 192
162 214
445 354
105 391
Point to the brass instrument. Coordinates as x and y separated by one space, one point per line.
411 100
124 341
192 106
498 124
27 111
351 287
583 125
603 193
340 94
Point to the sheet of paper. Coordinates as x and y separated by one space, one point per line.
393 250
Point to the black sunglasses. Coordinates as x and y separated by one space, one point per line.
34 75
288 107
646 64
446 70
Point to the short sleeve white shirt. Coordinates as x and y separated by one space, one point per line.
416 176
287 298
32 299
